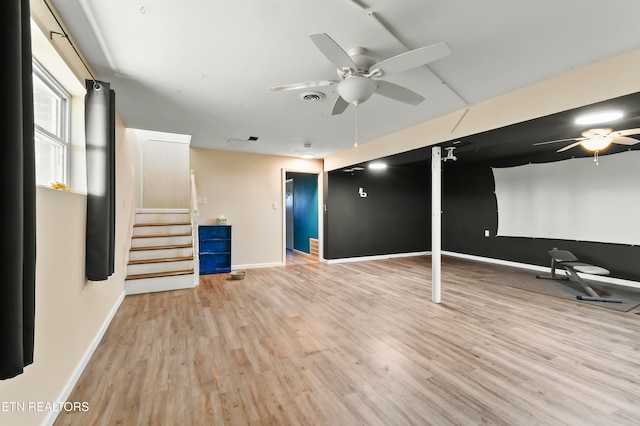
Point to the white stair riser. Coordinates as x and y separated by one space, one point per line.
150 268
160 254
161 229
160 241
162 217
150 285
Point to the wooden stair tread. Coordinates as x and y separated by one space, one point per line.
160 260
162 235
168 247
162 224
159 274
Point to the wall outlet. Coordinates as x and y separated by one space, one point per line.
202 200
486 232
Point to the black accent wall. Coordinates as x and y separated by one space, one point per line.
469 207
394 217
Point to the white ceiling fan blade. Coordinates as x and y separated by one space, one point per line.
360 4
399 93
626 132
413 58
339 106
558 140
332 51
304 85
624 140
569 146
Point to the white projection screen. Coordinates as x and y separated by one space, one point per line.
572 199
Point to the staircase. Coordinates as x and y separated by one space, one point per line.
161 257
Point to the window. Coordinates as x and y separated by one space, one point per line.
52 124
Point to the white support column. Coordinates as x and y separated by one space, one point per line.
436 222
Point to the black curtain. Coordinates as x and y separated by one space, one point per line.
100 140
17 173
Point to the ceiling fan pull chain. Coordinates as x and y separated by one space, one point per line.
595 158
355 145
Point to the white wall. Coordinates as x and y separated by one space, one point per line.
165 175
136 167
244 187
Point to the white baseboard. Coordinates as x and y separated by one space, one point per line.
376 257
559 271
256 265
71 383
155 210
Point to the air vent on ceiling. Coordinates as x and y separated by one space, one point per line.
241 142
312 96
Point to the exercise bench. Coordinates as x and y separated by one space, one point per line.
566 260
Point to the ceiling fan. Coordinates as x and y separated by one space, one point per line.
356 72
598 139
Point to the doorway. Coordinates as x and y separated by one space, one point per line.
289 214
302 227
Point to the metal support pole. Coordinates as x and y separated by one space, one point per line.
436 222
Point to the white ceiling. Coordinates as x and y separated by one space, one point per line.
204 67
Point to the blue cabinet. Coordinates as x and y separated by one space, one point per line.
215 249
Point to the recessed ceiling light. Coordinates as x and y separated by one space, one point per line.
377 166
599 117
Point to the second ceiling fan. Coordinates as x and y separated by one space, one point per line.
598 139
356 72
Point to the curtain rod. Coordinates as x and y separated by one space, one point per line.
63 34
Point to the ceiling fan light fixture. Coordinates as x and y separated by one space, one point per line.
599 117
597 143
377 166
355 90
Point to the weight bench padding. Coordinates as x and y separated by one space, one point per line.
590 269
562 255
567 261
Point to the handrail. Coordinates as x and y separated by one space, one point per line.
194 228
194 194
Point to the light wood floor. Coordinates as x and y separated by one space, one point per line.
297 258
361 343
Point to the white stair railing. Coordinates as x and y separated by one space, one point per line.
193 207
194 194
